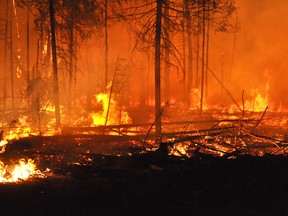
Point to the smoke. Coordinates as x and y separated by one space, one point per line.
261 49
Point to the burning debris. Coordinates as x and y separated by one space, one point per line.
20 171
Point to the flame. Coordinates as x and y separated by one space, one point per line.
259 103
195 96
115 116
22 170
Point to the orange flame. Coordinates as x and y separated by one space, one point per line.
114 117
20 171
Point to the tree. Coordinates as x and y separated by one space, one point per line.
154 22
55 68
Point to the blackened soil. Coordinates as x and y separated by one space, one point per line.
146 185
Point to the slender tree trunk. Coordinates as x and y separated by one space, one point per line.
198 49
11 59
184 60
158 111
41 47
71 56
37 59
28 54
5 57
203 59
207 50
190 53
233 50
28 45
55 70
148 78
47 57
167 57
106 43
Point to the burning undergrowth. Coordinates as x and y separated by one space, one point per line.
108 134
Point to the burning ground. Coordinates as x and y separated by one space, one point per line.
221 164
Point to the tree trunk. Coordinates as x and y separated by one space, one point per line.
158 71
203 59
55 71
190 53
186 97
106 43
5 58
198 48
11 59
233 51
207 50
167 57
71 56
28 45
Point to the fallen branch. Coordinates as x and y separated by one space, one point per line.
261 118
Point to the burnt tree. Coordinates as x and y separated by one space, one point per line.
55 69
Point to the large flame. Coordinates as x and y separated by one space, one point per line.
23 168
258 103
115 116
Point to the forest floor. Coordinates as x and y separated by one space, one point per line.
112 175
150 185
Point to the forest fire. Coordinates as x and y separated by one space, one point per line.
70 111
155 107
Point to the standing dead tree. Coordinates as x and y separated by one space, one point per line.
154 22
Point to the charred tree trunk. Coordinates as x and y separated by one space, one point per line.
28 99
190 52
11 59
37 59
158 71
197 48
28 45
71 56
184 59
167 57
203 57
55 70
5 57
106 43
233 50
207 49
148 77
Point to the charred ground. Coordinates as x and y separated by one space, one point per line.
145 185
149 184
